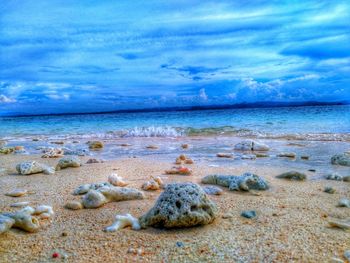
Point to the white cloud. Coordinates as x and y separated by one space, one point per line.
4 99
203 95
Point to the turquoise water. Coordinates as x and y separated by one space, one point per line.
260 122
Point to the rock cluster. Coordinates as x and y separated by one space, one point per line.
33 167
244 182
154 184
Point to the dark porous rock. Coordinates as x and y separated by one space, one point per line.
180 205
244 182
341 159
292 175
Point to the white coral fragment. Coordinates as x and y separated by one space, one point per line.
116 180
123 221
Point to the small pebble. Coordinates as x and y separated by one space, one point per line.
329 190
305 157
19 204
213 190
347 255
312 170
249 214
179 244
344 202
17 193
74 205
227 216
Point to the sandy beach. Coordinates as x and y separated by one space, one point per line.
291 223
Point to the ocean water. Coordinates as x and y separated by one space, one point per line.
314 123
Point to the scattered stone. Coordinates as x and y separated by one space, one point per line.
68 161
336 260
249 214
287 154
77 152
248 157
97 198
251 145
305 157
244 182
83 189
334 176
125 144
344 202
17 193
74 205
116 180
123 221
261 155
341 159
52 153
7 150
224 155
347 255
44 211
58 142
94 160
329 190
343 224
19 204
3 171
180 205
346 178
312 170
227 215
5 223
292 175
183 159
95 145
152 147
213 190
179 170
180 244
27 168
19 150
185 146
153 185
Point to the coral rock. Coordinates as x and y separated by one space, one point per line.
93 145
83 189
343 224
334 176
52 153
224 155
341 159
344 202
287 154
152 147
251 145
123 221
116 180
74 205
244 182
27 168
180 205
179 170
17 193
5 223
292 175
153 185
213 190
94 160
68 161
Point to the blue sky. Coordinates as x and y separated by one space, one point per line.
79 56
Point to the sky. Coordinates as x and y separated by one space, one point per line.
85 56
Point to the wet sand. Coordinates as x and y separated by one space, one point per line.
291 223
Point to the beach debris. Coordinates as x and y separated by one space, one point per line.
244 182
183 159
179 170
123 221
84 188
68 161
251 145
19 204
25 218
334 176
329 190
180 205
33 167
106 194
248 214
74 205
344 202
94 160
262 155
154 184
213 190
287 154
152 147
52 153
185 146
292 175
17 193
340 223
224 155
341 159
95 145
304 157
116 180
55 255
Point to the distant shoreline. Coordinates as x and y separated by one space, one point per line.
197 108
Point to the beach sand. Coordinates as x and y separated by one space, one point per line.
291 223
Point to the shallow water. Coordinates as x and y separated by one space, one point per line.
317 122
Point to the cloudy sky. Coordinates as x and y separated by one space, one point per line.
79 56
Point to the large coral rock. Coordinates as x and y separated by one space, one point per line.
180 205
251 145
341 159
68 161
27 168
244 182
106 194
